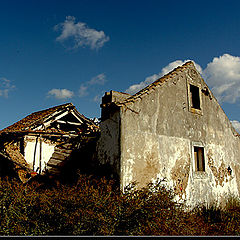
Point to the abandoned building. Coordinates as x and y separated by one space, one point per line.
44 141
173 129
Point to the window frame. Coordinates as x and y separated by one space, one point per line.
194 160
190 108
199 159
195 97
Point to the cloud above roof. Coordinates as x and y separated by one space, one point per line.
236 125
83 90
60 93
223 77
100 79
148 80
5 87
74 35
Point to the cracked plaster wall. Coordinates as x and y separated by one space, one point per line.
153 137
158 135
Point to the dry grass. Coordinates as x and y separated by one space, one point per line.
97 207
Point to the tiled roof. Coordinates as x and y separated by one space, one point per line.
159 81
35 119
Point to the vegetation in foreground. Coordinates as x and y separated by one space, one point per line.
95 207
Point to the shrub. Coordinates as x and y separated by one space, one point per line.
97 207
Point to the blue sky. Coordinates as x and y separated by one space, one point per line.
53 52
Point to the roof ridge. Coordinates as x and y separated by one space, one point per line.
29 121
155 83
47 109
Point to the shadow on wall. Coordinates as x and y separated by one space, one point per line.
81 161
84 161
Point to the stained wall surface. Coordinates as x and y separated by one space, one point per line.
108 146
158 131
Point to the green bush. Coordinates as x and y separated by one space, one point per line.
98 207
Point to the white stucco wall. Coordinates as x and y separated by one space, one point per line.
47 151
158 135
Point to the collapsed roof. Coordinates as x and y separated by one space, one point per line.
51 120
62 128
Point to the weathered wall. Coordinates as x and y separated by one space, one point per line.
32 146
108 146
159 130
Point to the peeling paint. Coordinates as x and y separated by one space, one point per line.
221 173
237 173
148 169
180 174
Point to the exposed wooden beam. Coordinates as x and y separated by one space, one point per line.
67 122
37 133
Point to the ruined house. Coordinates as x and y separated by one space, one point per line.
44 141
174 129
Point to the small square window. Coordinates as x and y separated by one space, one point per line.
199 158
195 98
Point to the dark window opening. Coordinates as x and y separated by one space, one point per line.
195 98
199 158
22 146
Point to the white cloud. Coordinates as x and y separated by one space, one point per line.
236 125
83 90
177 63
97 99
61 93
80 34
5 87
148 80
223 76
137 87
100 79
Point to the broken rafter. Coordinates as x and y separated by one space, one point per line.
53 117
67 122
81 117
42 133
